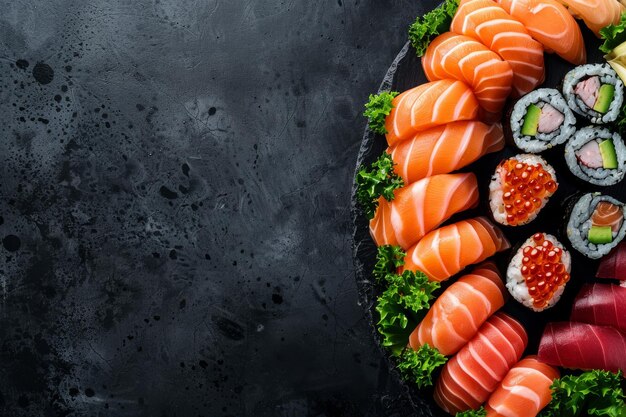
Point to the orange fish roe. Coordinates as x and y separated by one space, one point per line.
523 187
543 270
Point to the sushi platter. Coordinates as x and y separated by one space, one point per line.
498 208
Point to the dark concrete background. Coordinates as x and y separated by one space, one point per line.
174 210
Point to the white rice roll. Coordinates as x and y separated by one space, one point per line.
545 99
602 74
595 174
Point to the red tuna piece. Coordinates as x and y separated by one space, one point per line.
583 346
602 304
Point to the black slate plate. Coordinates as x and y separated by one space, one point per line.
406 72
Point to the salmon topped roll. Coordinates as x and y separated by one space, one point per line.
428 105
444 252
549 23
489 23
421 206
451 55
462 308
444 149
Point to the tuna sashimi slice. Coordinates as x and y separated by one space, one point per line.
602 304
583 346
613 265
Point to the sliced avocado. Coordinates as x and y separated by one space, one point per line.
531 121
600 234
609 157
605 98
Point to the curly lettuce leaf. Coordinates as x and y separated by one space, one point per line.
388 259
593 393
613 35
401 307
433 23
417 366
378 108
481 412
379 180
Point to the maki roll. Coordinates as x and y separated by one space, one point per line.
520 188
596 224
540 120
538 272
596 155
595 92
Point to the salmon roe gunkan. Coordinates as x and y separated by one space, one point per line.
543 270
523 188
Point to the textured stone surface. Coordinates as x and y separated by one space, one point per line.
174 206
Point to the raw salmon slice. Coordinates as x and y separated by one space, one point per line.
549 23
465 59
422 206
595 13
467 380
489 23
524 391
428 105
459 312
444 149
447 250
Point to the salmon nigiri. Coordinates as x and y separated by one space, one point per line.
459 312
422 206
444 149
549 22
451 55
431 104
467 380
524 391
595 13
446 251
499 31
